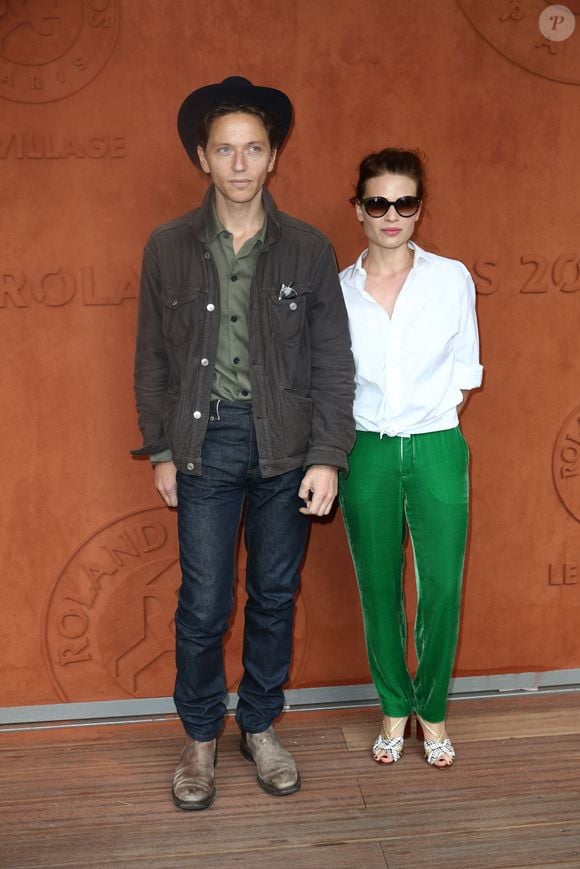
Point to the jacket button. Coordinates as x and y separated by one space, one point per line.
190 466
210 307
207 254
205 362
174 303
196 415
292 306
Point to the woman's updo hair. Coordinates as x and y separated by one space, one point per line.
393 160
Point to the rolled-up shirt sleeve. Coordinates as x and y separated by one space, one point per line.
467 370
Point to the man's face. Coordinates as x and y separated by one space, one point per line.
238 156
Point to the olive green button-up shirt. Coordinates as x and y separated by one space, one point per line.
235 272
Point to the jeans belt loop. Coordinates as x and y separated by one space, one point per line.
214 408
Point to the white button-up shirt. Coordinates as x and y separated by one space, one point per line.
411 367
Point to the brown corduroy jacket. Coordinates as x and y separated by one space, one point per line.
301 365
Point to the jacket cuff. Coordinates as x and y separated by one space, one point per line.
150 449
326 456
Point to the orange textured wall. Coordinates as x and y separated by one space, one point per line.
90 162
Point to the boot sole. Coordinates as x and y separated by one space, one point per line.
273 792
190 806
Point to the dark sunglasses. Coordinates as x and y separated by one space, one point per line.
377 206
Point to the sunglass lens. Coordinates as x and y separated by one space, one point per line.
407 206
375 206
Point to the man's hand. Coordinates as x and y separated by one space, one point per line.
318 489
165 473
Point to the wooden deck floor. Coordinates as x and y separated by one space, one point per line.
99 796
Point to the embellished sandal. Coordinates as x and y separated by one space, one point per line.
392 746
437 748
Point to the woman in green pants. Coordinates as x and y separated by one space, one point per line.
415 343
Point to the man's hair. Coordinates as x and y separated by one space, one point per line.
210 116
392 160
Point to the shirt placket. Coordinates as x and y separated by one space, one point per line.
236 312
234 318
394 365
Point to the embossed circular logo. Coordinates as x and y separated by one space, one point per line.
566 464
50 49
109 629
515 29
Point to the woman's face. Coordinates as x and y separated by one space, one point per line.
391 231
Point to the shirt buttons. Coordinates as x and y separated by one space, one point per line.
234 278
197 414
210 307
190 466
234 319
205 362
207 255
245 392
292 306
236 360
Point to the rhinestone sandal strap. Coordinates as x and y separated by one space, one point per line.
435 750
393 747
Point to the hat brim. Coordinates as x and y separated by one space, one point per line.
200 101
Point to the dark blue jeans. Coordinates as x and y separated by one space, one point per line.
209 514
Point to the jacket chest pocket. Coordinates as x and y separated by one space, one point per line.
287 316
179 307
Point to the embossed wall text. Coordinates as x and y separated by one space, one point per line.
48 146
59 285
50 49
566 464
563 573
530 274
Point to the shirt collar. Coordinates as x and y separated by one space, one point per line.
214 224
215 227
419 254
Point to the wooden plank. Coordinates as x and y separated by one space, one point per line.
99 797
554 846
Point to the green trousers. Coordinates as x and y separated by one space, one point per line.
420 482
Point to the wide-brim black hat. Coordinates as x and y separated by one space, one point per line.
235 91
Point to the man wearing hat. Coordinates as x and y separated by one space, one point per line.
244 385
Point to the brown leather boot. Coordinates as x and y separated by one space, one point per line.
194 780
276 770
